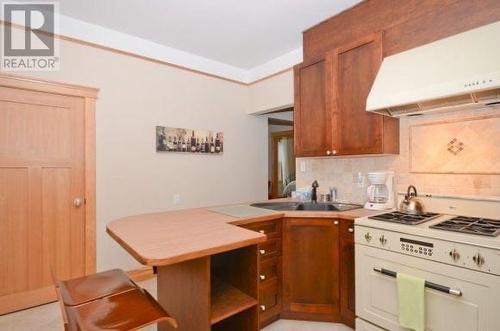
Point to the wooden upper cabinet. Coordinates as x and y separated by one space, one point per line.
312 112
361 132
311 269
330 103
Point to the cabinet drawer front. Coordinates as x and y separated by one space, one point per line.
347 230
269 297
269 270
269 228
270 249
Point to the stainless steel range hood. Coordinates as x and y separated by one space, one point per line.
455 72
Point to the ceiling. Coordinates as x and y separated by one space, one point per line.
244 34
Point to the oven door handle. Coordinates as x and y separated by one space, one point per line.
431 285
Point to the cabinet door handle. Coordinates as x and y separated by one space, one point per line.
262 277
328 152
262 251
334 152
262 231
336 222
351 230
262 307
434 286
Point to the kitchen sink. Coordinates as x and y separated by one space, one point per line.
306 206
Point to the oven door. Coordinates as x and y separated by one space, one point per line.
477 309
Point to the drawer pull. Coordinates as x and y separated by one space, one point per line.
262 231
336 222
262 277
433 286
262 308
351 230
262 251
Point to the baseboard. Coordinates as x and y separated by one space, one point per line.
18 301
140 274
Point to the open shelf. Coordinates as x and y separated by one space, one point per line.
228 301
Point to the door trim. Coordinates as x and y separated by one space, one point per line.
89 95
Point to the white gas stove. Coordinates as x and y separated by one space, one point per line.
458 257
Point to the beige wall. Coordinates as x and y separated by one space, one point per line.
343 172
137 95
272 93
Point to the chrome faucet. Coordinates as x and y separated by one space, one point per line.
314 193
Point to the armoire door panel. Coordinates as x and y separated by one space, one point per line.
14 218
62 227
36 131
42 155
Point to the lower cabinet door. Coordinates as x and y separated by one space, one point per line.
311 269
269 302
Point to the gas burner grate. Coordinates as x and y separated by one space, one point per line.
472 225
404 218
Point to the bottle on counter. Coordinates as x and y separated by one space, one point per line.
202 146
193 143
217 144
176 145
184 145
207 145
170 145
212 145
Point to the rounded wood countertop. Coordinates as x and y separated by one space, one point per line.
166 238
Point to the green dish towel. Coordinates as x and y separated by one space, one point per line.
411 302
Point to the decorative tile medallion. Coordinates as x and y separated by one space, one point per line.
455 146
460 146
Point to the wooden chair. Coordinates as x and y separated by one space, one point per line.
89 288
88 304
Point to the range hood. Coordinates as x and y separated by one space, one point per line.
456 72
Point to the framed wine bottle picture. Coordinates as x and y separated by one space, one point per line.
179 140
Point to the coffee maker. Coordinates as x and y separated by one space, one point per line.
380 192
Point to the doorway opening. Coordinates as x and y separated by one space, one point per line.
281 167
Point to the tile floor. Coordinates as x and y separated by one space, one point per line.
286 325
48 318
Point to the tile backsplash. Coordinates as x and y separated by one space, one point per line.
343 172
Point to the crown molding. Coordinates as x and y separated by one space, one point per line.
275 66
94 35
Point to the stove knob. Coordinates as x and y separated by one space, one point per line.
383 240
478 259
368 236
455 256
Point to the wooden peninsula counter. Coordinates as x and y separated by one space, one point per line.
208 262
